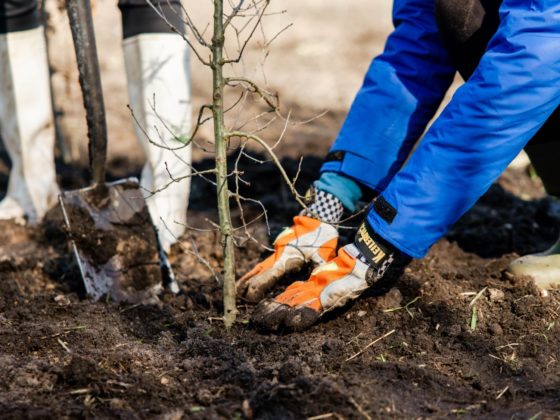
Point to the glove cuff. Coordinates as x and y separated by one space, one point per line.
385 260
323 206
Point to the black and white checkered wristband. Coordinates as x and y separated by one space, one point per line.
323 206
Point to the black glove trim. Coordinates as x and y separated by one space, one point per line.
385 260
374 248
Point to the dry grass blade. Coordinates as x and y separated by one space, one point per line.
377 340
502 392
360 409
322 416
64 345
478 295
81 391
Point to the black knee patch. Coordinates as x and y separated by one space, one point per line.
18 15
466 27
138 17
459 19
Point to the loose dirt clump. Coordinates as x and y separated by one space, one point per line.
114 238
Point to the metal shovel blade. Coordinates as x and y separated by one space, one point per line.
114 241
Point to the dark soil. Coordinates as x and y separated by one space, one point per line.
62 356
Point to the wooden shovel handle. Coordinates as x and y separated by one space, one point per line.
81 24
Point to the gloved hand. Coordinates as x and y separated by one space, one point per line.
307 240
357 267
312 238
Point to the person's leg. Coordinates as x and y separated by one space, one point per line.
159 88
26 118
467 28
509 97
402 89
18 15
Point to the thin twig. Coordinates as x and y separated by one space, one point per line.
242 50
478 295
298 197
64 345
370 344
199 257
502 392
182 35
359 408
233 13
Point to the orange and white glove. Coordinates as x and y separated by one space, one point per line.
312 238
370 260
308 240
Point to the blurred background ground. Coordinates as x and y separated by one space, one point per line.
316 65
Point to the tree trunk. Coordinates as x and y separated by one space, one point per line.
226 230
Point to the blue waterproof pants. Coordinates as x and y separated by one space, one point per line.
512 92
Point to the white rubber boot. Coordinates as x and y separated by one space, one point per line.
27 128
543 267
159 89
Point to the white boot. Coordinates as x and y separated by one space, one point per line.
26 122
543 267
159 89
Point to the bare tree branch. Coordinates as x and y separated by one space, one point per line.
298 197
233 13
244 45
174 29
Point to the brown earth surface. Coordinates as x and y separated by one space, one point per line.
62 356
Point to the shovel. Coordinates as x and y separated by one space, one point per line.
112 234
